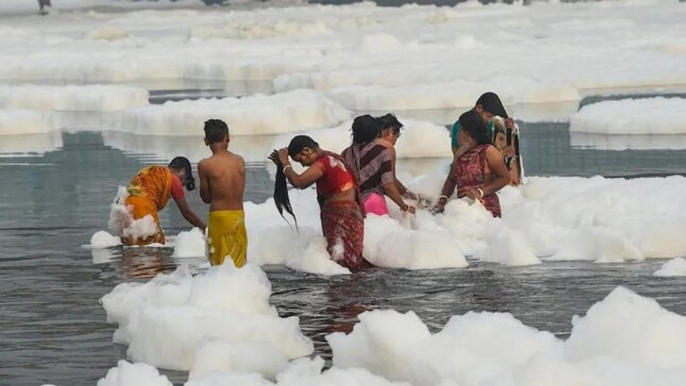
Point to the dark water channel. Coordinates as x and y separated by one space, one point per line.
53 330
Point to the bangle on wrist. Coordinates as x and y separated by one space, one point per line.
442 197
286 167
481 192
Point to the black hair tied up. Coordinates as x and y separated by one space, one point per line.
182 163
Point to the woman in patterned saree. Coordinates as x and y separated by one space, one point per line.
480 172
342 213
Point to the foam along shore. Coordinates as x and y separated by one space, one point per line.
91 98
555 218
366 55
674 267
623 340
664 116
620 142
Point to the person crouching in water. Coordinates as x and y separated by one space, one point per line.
148 193
372 164
342 213
222 185
480 172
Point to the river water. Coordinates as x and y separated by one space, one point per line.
56 191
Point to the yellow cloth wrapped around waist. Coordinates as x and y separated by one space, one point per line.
226 236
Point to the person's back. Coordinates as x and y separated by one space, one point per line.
225 175
222 184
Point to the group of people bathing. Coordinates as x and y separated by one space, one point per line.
349 186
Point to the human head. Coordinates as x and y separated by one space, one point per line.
303 149
181 167
216 131
390 128
489 105
499 137
473 127
365 129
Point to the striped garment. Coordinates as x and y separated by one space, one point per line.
372 165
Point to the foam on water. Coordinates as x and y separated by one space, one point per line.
22 122
255 115
172 319
72 98
674 267
123 224
632 116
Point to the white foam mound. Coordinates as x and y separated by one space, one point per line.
72 98
190 244
254 115
632 116
21 122
102 239
133 374
623 340
674 267
169 320
122 223
419 139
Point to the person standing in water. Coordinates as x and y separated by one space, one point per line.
148 193
342 211
373 167
222 185
480 172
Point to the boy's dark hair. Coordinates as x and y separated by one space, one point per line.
365 129
182 163
389 121
474 126
491 103
215 131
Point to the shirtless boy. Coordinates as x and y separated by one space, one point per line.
222 184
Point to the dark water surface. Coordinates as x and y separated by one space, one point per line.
51 202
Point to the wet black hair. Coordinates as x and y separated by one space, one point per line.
389 121
472 124
281 198
215 131
182 163
365 129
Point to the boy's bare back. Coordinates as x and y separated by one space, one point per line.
222 181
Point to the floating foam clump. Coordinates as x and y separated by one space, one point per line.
254 115
22 122
189 244
632 116
102 239
72 98
674 267
169 320
136 374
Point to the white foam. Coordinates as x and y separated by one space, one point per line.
102 239
72 98
22 122
366 55
133 374
674 267
190 244
632 116
122 223
169 320
255 115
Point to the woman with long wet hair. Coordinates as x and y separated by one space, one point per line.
147 194
480 172
342 213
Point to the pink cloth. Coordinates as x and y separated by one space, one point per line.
376 203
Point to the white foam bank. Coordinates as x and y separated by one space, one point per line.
622 340
365 56
174 320
255 115
72 98
674 267
632 116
